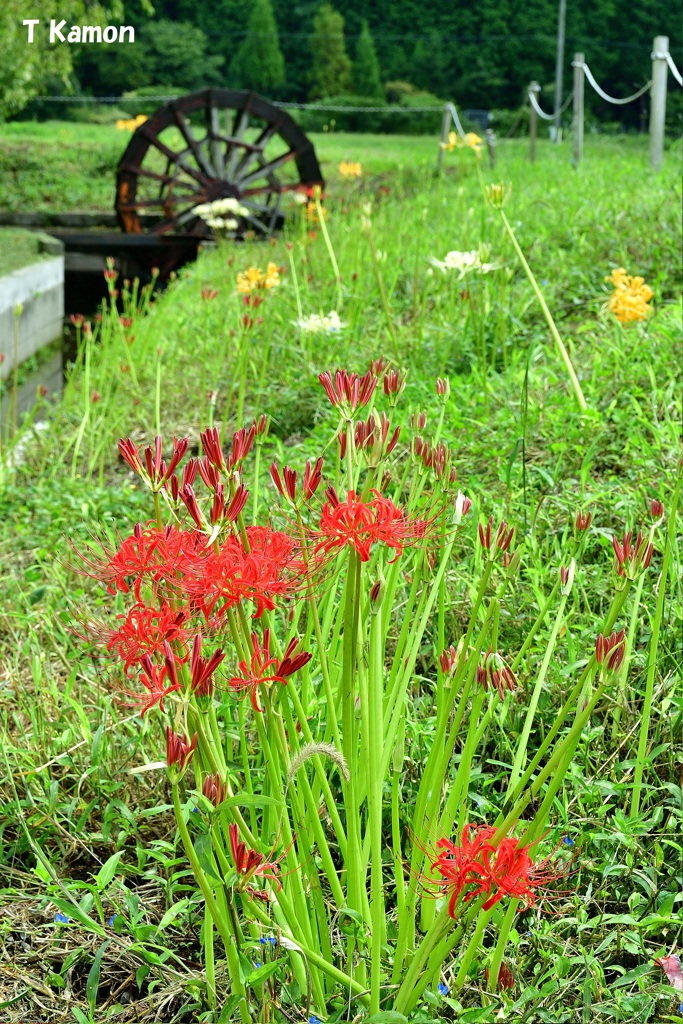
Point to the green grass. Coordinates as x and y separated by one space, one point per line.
521 451
18 248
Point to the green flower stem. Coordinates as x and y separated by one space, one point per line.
383 297
652 653
244 755
620 689
559 344
520 753
350 749
295 281
483 918
501 943
330 251
224 929
375 740
436 960
209 961
422 954
396 844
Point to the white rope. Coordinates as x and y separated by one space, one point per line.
541 113
672 68
456 120
610 99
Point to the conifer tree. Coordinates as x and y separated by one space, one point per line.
331 71
366 74
259 64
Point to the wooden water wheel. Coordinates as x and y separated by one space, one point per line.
214 144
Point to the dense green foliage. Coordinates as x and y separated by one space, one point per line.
331 67
366 74
259 64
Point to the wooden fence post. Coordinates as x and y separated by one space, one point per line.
490 139
660 72
445 127
534 90
578 107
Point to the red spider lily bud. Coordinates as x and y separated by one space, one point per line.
610 650
493 672
289 245
171 484
247 322
443 387
208 294
242 441
179 750
485 534
567 577
77 319
87 328
377 591
511 561
237 503
347 390
418 446
376 366
291 662
656 508
504 537
261 426
153 462
129 453
341 437
190 472
211 443
312 477
214 790
448 659
462 506
506 978
155 273
179 448
189 500
418 420
208 473
285 484
218 505
630 558
582 521
95 397
110 275
394 384
126 321
256 300
202 669
332 497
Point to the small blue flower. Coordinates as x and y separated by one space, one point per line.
568 841
111 920
544 282
314 1020
443 989
257 964
195 810
61 919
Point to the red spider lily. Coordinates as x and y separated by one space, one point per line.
348 390
376 366
262 668
242 441
219 510
158 681
251 864
656 508
202 669
506 978
609 650
208 294
144 630
211 443
476 866
179 749
214 790
360 524
418 420
286 482
148 555
154 471
443 387
630 558
503 537
371 437
394 384
77 319
462 506
261 425
494 673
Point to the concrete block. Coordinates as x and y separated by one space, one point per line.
39 288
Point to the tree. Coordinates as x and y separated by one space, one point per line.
259 63
331 72
366 75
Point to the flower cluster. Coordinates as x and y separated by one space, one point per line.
455 141
475 867
360 524
630 300
472 261
350 169
254 279
317 324
130 124
222 214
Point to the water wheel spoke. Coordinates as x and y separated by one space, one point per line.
257 148
233 151
266 169
174 158
194 147
215 143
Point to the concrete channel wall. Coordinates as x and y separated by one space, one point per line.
39 289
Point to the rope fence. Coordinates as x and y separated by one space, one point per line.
656 86
333 108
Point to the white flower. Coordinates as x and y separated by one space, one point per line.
381 256
466 262
299 198
316 324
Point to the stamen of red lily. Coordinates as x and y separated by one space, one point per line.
360 524
262 668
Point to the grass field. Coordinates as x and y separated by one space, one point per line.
102 918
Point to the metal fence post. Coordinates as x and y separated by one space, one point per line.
578 107
445 127
534 89
490 139
660 72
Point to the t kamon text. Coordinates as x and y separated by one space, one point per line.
83 33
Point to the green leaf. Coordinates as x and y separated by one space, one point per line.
203 848
385 1015
79 1015
261 973
171 914
73 911
107 871
93 982
244 799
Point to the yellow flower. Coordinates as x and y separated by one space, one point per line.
630 300
129 125
453 141
349 169
272 279
497 195
471 141
312 212
249 280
